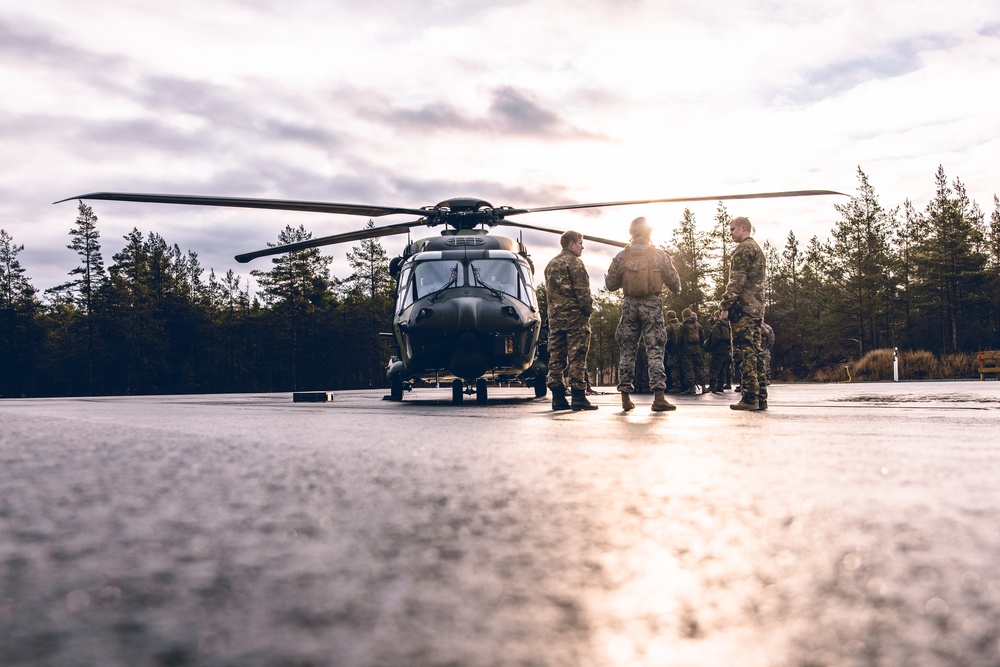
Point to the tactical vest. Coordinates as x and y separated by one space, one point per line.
641 276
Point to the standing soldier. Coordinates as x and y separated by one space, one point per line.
692 354
570 303
671 362
743 304
640 271
720 346
766 343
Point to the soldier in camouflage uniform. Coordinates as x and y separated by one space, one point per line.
640 271
720 346
743 304
671 362
570 303
691 352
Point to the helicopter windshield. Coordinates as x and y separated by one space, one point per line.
497 274
431 276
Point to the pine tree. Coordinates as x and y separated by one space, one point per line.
368 306
90 272
949 268
993 271
296 287
690 255
722 243
857 268
19 333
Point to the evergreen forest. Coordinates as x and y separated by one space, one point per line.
151 321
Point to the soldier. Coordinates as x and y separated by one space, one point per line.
640 271
720 346
691 352
743 305
671 362
570 303
766 343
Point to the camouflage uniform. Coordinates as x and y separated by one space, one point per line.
691 353
642 313
766 343
570 303
720 345
671 361
744 299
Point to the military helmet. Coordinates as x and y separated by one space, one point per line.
671 314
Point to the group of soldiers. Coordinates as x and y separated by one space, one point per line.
674 348
687 347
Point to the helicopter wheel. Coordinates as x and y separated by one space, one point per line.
540 387
457 389
480 391
396 388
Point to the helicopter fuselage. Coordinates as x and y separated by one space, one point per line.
465 307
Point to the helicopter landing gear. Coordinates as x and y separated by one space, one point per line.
457 389
540 387
481 391
396 388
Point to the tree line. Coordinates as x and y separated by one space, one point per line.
153 322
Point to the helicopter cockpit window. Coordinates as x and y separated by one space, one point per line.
405 288
526 287
498 274
431 276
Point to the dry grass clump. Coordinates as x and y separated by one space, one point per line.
876 366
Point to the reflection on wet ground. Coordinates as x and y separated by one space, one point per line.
848 525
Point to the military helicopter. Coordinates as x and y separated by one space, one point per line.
465 300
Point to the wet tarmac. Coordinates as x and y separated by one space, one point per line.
850 524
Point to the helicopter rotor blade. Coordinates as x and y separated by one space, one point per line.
250 202
669 200
595 239
347 237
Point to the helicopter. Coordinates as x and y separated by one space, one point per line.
465 303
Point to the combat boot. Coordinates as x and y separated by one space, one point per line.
627 403
660 403
743 405
580 401
762 403
559 401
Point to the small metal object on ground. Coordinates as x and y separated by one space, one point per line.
312 396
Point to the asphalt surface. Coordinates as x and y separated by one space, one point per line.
850 524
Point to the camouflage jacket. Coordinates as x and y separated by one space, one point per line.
662 268
673 326
745 291
690 336
567 288
720 338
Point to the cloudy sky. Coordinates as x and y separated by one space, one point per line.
522 103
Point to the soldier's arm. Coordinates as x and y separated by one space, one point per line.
671 278
613 278
581 285
737 281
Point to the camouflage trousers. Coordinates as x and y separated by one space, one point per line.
672 367
568 356
719 368
692 368
642 319
746 345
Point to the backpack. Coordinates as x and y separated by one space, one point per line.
641 276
